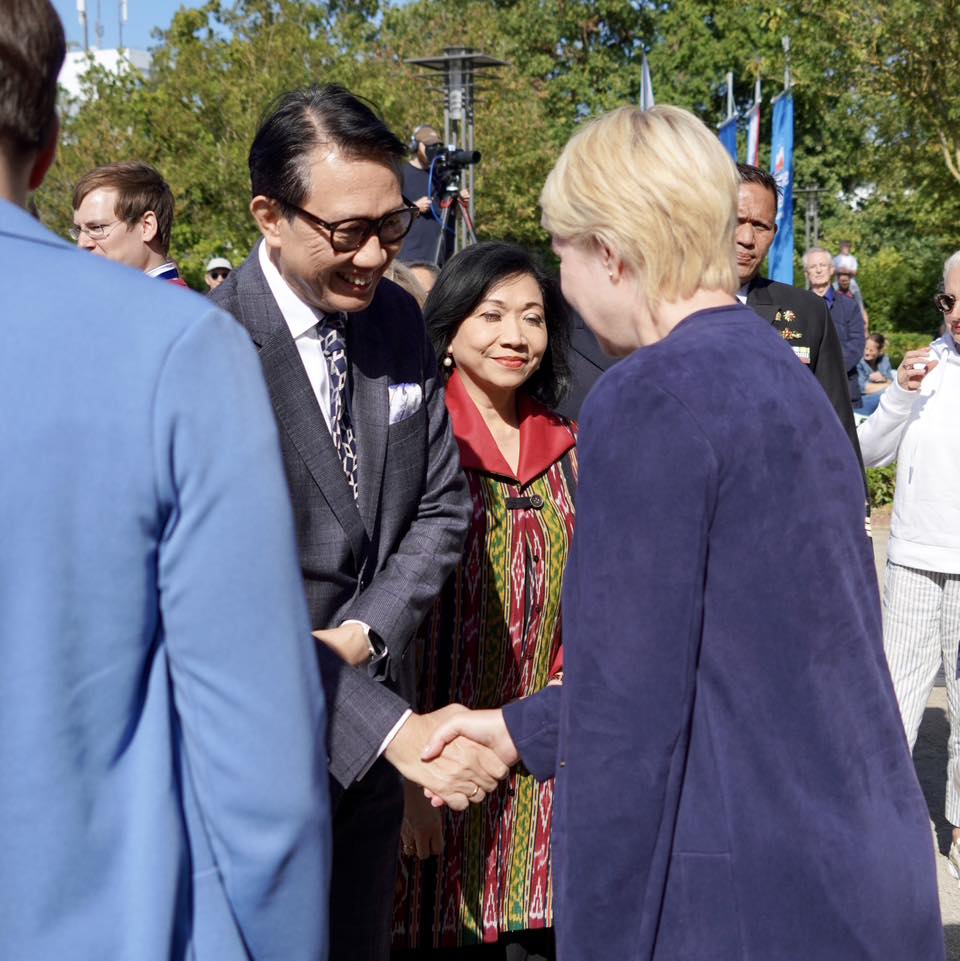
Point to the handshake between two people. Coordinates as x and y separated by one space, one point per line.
456 755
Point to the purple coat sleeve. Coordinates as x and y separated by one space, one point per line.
532 723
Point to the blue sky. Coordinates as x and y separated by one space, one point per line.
142 17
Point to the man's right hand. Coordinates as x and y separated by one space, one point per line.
461 772
915 366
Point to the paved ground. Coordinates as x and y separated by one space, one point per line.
930 756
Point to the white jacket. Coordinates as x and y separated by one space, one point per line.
920 430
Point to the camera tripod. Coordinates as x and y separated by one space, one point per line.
450 203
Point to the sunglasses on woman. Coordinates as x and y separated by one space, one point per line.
944 303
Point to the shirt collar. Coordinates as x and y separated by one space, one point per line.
544 436
167 271
829 295
300 317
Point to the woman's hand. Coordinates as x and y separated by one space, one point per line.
422 831
877 377
915 366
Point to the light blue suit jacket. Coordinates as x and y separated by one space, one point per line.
163 784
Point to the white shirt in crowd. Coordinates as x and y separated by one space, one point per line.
918 430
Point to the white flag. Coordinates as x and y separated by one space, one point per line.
753 129
646 86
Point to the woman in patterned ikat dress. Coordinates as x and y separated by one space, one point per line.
500 328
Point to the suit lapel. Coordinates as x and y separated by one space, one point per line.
370 408
295 403
585 344
760 300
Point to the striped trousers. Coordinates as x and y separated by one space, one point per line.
921 630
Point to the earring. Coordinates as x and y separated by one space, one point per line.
448 360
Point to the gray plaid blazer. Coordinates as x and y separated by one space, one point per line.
384 559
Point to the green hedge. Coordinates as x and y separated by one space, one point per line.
881 482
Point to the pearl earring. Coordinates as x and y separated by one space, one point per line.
448 360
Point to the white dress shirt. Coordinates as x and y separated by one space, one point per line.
302 319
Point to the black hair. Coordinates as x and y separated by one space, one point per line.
464 282
879 340
300 121
754 175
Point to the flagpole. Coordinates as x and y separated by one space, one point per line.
646 85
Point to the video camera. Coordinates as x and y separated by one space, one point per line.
446 163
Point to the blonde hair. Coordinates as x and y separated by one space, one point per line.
657 187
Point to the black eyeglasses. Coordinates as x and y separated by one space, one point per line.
352 233
944 303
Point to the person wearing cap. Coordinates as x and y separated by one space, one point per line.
218 269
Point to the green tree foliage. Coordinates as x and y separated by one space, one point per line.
875 86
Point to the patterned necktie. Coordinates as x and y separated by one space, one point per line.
333 342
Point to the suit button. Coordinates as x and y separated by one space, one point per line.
563 764
536 502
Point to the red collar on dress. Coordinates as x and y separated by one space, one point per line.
544 436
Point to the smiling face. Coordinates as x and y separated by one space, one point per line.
952 318
341 188
499 346
756 228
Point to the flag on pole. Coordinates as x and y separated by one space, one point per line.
646 86
753 129
727 131
781 253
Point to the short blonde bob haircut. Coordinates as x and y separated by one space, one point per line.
655 186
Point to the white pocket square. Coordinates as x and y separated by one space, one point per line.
405 401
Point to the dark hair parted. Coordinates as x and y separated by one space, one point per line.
32 49
139 187
754 175
467 278
299 122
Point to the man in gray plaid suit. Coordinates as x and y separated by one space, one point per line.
380 502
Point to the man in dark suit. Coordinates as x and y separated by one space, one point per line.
844 312
379 499
801 317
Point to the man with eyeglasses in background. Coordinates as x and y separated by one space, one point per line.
373 471
124 212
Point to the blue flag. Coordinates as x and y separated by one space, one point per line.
781 253
727 132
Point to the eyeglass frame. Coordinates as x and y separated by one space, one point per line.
943 298
76 230
219 273
374 225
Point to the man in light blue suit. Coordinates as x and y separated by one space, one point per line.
163 784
